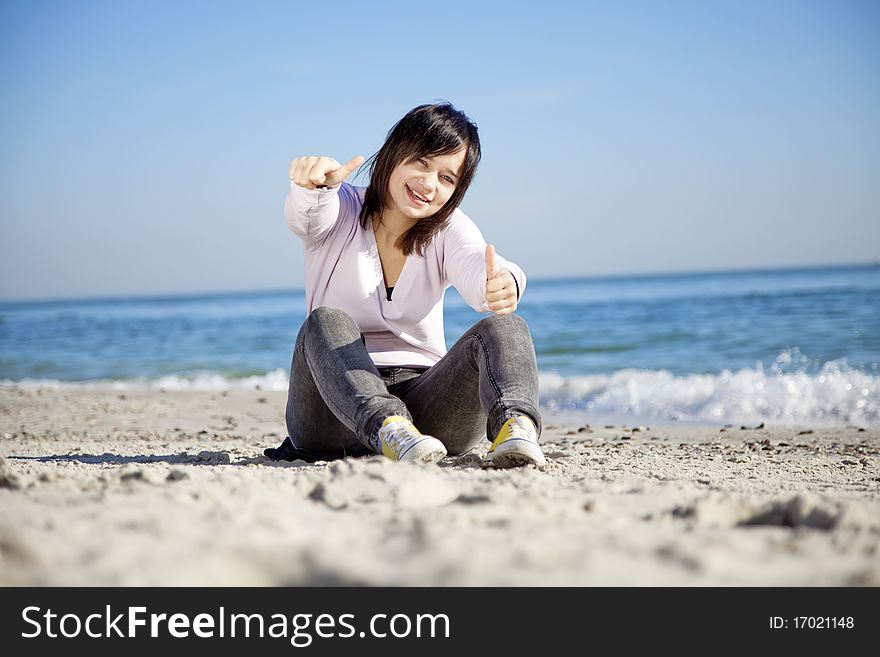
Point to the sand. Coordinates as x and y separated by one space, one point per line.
104 487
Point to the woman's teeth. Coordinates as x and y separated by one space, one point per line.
423 200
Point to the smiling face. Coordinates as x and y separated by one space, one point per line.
419 188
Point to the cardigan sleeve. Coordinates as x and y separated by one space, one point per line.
464 262
312 213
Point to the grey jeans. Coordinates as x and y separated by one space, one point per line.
337 397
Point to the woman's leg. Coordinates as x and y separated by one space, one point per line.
336 398
488 376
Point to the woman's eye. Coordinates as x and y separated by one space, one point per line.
425 164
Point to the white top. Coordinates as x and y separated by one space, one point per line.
343 271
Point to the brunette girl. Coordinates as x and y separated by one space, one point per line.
370 363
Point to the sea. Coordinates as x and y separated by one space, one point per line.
782 347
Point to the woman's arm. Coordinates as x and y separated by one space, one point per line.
464 263
314 201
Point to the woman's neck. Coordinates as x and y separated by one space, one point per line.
388 227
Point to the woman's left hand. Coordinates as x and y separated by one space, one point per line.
500 286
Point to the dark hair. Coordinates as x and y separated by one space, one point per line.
425 131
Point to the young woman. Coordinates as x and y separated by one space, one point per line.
370 363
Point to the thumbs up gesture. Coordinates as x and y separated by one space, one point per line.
500 286
314 172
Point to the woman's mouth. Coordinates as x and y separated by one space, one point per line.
415 198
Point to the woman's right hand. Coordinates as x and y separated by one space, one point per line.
314 172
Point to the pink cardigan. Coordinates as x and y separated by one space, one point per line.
343 271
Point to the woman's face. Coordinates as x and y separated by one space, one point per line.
418 189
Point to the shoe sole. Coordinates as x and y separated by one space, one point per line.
519 453
429 450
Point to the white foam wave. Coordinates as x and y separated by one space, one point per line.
835 395
274 380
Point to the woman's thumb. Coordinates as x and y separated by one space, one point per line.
343 172
491 265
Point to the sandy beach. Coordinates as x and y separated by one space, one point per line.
107 487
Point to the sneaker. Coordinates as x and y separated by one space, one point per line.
516 445
401 441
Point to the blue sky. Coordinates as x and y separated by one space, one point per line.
146 144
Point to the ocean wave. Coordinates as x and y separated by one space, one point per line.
835 394
274 380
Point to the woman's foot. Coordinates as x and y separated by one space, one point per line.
399 440
516 445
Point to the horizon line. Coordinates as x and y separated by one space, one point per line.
162 296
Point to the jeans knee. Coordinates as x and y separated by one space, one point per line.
503 325
326 314
327 321
325 317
